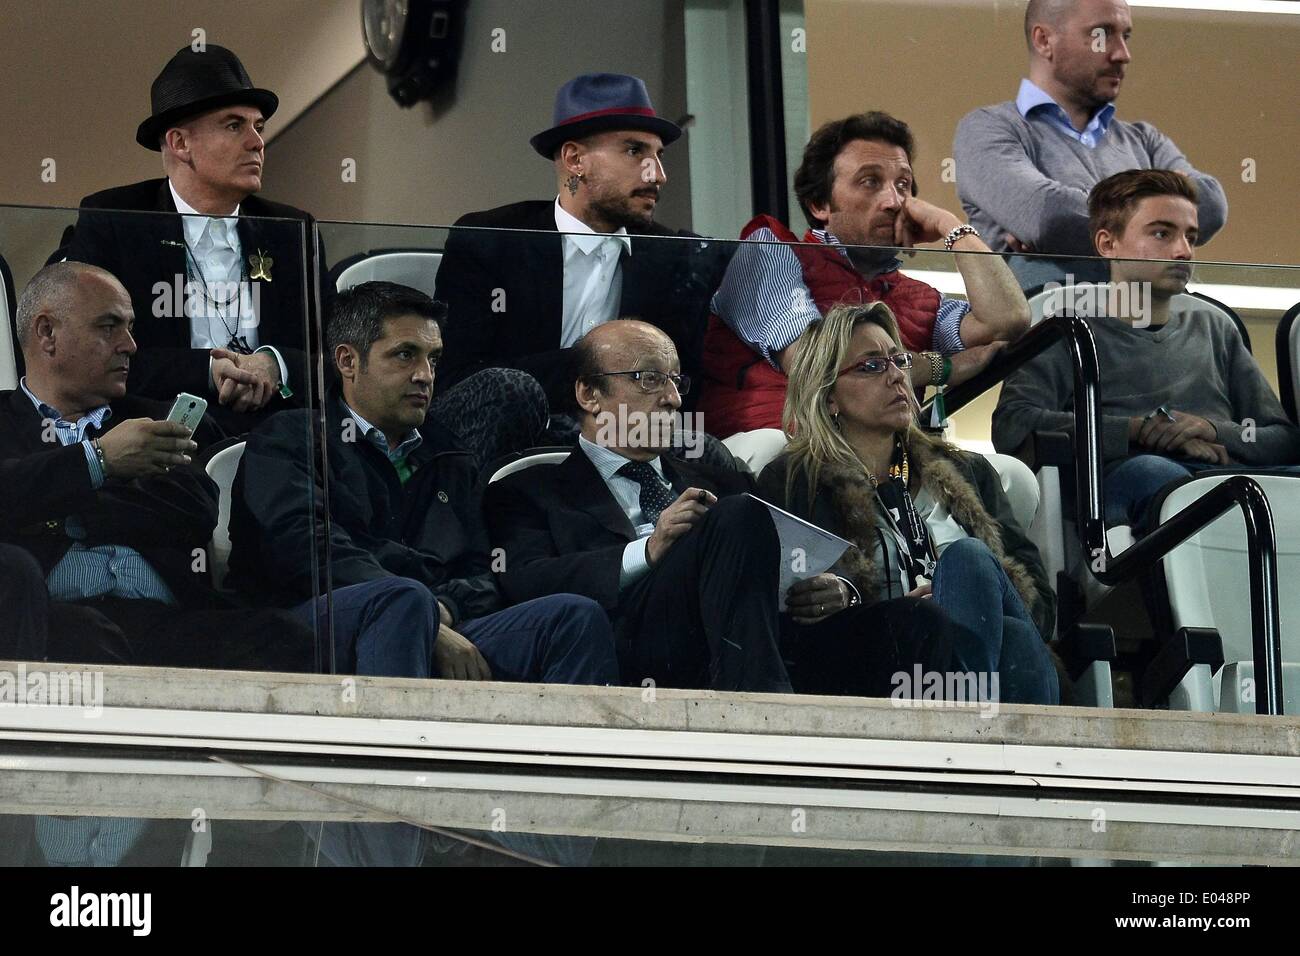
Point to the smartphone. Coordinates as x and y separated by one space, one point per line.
187 410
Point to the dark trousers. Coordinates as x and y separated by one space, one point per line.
24 619
160 635
858 651
388 627
706 615
111 630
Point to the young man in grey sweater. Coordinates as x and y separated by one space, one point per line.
1025 167
1179 390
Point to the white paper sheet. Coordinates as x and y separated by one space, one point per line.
806 550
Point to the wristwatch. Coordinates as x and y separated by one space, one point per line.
940 368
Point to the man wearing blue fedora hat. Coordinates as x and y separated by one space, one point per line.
522 300
231 324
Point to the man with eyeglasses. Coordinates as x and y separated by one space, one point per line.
685 563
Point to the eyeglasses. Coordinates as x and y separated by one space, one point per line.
876 364
651 381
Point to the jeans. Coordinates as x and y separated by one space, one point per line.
387 628
994 632
1131 484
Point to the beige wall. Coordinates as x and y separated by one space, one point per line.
426 166
76 86
419 165
1223 86
77 76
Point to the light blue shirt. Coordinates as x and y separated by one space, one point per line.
107 569
1032 99
627 493
377 438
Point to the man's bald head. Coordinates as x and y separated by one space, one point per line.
629 388
55 291
74 326
1050 13
618 346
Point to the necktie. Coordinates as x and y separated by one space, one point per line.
655 497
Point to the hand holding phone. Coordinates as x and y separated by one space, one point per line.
144 448
187 411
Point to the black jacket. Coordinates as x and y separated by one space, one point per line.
666 281
964 482
562 531
429 529
164 518
143 250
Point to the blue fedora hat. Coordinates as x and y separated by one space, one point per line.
596 102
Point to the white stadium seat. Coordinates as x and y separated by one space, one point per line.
548 457
756 448
222 468
1208 579
417 269
8 347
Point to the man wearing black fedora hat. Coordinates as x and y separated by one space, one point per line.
219 295
522 300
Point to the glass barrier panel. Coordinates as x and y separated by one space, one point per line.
79 807
145 546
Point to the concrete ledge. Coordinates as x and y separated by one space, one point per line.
544 705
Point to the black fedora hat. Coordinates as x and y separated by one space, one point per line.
194 82
595 102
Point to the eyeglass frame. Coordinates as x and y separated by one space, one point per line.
893 359
680 381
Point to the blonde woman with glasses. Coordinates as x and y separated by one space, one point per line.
937 552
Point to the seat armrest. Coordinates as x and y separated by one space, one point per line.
1052 448
1083 644
1189 647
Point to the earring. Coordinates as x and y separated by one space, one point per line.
572 183
835 420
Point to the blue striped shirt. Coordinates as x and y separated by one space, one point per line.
764 300
1033 99
106 569
88 841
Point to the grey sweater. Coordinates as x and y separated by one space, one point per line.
1196 363
1025 177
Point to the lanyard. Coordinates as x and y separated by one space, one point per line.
237 342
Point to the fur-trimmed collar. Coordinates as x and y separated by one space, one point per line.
854 501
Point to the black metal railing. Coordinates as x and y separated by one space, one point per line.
1239 490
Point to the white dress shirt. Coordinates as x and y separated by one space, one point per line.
593 275
627 492
216 252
